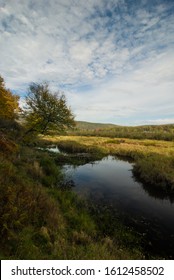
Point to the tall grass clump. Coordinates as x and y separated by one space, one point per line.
156 170
52 173
71 146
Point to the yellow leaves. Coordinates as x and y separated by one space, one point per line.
8 103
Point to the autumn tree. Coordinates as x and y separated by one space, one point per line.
8 103
46 111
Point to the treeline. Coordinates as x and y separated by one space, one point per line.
155 132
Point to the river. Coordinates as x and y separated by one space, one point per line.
110 182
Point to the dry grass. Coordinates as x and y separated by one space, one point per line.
117 145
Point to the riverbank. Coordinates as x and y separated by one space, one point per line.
154 160
42 219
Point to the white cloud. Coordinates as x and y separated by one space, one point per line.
141 93
121 52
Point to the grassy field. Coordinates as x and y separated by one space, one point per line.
154 159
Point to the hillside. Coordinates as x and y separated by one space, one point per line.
91 125
82 125
157 132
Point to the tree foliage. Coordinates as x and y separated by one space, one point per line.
46 111
8 102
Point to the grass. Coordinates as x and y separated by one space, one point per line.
40 220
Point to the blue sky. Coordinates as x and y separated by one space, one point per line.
113 59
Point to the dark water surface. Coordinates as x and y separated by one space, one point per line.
110 182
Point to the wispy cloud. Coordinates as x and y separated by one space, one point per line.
114 59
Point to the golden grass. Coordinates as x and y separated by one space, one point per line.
117 145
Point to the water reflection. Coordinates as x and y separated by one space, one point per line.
111 182
51 148
112 175
158 194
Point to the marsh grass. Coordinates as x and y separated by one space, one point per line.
156 170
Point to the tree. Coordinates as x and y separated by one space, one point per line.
46 111
8 103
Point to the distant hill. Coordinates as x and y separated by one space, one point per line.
158 132
82 125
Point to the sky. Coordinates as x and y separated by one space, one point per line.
113 59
